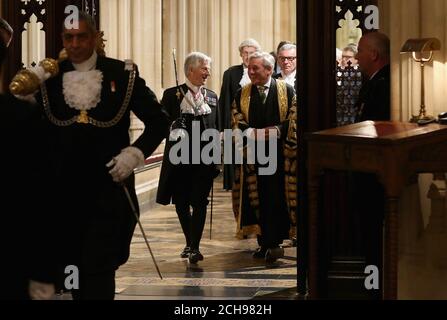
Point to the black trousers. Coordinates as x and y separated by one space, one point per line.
192 224
191 193
99 286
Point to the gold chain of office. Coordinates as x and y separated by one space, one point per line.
83 117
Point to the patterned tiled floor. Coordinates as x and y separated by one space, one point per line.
227 272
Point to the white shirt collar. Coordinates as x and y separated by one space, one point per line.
194 88
88 64
290 79
268 83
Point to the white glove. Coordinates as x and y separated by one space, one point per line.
123 164
40 290
40 73
25 93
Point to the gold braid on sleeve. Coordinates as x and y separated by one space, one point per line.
290 167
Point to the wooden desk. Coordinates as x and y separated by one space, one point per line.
394 151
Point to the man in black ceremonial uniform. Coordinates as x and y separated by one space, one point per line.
188 185
87 111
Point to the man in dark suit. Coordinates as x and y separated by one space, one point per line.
287 61
373 104
87 111
25 228
374 61
188 185
265 205
234 78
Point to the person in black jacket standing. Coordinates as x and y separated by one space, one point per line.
374 61
188 185
368 194
87 109
287 61
25 229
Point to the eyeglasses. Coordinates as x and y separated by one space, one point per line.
283 59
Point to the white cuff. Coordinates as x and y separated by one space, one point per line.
40 73
251 133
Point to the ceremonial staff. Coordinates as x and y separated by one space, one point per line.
134 210
211 214
176 74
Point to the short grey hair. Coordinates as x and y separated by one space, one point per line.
249 43
287 47
267 59
194 59
351 47
89 21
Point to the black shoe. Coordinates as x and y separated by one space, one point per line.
274 254
195 256
260 253
185 253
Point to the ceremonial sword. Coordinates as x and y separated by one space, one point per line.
211 215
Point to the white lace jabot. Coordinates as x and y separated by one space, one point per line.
194 101
82 87
82 90
245 78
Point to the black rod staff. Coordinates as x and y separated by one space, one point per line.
211 215
134 211
176 74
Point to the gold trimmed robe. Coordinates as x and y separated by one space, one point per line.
281 97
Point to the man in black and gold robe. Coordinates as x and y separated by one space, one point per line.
265 205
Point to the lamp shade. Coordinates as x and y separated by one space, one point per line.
421 45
